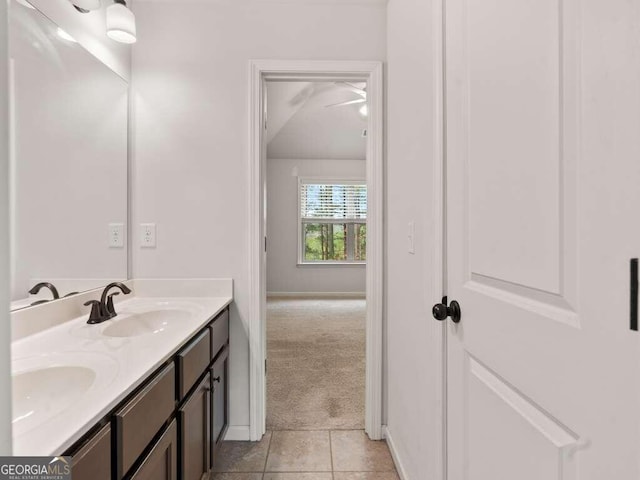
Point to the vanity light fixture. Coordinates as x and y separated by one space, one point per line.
121 22
85 6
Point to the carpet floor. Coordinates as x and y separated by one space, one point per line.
315 364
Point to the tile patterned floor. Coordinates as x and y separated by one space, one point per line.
307 455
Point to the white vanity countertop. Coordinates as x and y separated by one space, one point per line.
89 369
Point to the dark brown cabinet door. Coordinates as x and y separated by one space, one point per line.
93 460
162 461
220 402
195 435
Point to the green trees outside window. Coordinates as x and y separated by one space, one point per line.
333 222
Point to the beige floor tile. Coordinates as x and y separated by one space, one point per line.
298 476
299 452
243 456
365 476
354 452
236 476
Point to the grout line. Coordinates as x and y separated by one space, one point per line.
346 429
331 453
320 471
266 458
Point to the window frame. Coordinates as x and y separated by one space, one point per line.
342 180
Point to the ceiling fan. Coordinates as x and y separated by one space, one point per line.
361 92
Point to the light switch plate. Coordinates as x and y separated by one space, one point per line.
116 235
148 235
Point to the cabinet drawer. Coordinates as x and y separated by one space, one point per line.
142 417
162 461
219 332
93 460
192 362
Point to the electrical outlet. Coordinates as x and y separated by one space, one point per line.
411 234
148 235
116 235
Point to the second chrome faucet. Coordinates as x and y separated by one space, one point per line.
103 309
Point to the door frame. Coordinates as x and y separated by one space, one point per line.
439 440
372 72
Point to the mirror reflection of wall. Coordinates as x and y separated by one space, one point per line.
68 120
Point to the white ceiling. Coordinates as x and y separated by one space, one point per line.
301 126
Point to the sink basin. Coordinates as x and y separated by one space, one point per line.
42 393
146 323
49 387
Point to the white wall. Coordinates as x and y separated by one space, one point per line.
283 273
191 142
412 334
5 326
89 29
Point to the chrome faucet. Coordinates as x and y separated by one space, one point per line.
103 309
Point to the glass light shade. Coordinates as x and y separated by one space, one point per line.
64 35
86 4
121 24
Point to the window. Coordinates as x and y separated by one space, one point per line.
333 221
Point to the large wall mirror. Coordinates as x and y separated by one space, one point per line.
68 122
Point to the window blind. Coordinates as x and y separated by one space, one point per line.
338 200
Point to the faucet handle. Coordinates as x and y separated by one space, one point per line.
111 310
95 316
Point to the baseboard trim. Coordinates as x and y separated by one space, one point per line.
402 473
317 294
238 433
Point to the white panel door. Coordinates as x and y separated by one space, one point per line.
543 217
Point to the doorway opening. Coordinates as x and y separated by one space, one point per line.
316 254
337 219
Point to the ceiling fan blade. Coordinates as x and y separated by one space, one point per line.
351 102
355 85
354 88
303 95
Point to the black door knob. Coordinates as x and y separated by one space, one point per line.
441 311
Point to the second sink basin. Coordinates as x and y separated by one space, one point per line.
44 392
146 323
44 386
